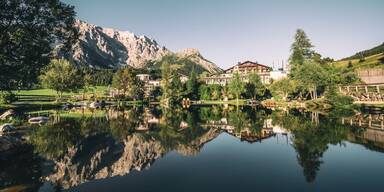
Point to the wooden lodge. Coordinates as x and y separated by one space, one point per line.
243 69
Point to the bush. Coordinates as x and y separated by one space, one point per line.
7 97
340 100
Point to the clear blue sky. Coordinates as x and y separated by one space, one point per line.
228 31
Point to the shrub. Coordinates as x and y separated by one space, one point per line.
340 100
7 97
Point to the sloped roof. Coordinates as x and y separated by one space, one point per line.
248 64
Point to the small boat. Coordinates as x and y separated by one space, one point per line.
35 120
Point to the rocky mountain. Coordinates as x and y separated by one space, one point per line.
109 48
195 56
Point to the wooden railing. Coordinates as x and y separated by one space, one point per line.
364 92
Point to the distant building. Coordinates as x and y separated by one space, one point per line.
144 77
278 74
219 79
248 67
244 69
149 84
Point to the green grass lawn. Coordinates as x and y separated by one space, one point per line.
78 114
52 93
43 99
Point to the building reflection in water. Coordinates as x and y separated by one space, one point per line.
102 144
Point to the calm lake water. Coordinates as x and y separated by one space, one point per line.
200 149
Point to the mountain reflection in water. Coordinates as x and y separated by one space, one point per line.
82 146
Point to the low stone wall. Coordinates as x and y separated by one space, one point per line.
370 76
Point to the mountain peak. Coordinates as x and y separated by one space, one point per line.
110 48
194 55
189 52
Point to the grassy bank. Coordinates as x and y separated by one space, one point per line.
49 94
44 99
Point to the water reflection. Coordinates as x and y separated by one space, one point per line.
90 145
371 128
311 138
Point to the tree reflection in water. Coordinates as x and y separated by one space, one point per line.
87 147
311 135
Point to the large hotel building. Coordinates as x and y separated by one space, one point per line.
244 69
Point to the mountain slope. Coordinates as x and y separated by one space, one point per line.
195 56
109 48
366 53
370 58
374 61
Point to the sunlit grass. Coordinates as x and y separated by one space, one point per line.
53 93
374 61
45 99
87 113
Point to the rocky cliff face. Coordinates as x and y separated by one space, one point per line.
110 48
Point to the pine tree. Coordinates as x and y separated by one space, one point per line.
236 86
301 50
192 85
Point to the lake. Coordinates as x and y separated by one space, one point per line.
208 148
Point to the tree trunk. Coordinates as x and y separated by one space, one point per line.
285 96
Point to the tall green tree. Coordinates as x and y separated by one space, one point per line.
254 86
177 88
125 80
62 76
215 92
172 88
301 49
283 87
236 86
204 92
311 75
192 85
30 31
89 85
166 73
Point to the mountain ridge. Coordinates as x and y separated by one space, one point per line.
366 53
100 47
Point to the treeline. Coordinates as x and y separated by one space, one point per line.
173 90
